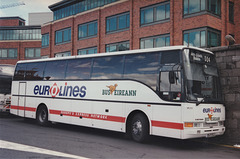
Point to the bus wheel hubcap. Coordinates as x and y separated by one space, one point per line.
137 128
43 116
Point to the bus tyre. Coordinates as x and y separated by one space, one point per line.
42 116
139 128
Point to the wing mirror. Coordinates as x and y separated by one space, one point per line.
172 77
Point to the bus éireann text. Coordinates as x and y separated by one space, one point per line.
169 91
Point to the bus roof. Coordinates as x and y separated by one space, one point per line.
169 48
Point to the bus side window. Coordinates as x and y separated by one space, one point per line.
78 69
142 67
107 68
34 71
55 70
20 72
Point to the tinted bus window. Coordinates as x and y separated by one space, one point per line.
79 69
34 71
142 67
170 57
107 67
20 72
55 70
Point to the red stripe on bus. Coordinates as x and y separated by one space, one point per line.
89 116
31 109
169 125
162 124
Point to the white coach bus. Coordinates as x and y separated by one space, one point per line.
6 75
169 91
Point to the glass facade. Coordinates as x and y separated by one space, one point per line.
155 13
196 6
121 46
8 53
63 36
32 52
156 41
45 40
92 50
79 7
204 37
117 22
88 30
20 34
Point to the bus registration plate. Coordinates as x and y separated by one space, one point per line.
212 119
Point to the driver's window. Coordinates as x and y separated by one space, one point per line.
168 91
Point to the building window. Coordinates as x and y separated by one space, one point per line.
87 30
32 52
79 7
156 41
63 36
231 12
8 53
45 40
92 50
117 22
155 13
20 34
63 54
196 6
204 37
121 46
44 57
214 38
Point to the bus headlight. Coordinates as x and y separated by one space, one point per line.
197 124
191 125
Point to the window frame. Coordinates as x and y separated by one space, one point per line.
79 7
8 53
117 46
63 36
108 24
34 53
207 31
45 40
205 10
154 15
95 23
154 40
87 50
231 12
67 53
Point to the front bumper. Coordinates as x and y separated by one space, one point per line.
202 132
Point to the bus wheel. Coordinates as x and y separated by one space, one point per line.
139 128
42 116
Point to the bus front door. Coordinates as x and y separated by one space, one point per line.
21 99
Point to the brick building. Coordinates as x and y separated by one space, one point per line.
17 41
95 26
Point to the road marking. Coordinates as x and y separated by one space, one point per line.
26 148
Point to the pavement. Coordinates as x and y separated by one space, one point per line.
223 141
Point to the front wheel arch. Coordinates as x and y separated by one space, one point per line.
138 118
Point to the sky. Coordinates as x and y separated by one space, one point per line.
31 6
